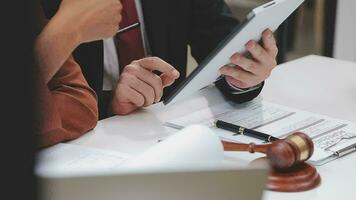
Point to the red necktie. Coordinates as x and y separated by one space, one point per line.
129 44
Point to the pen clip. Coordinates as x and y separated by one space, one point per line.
345 151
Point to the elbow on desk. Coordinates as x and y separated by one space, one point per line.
75 116
83 118
69 129
65 133
82 125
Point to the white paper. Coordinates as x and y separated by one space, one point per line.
279 121
68 160
193 146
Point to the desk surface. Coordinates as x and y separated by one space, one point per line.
317 84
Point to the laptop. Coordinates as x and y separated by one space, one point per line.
211 184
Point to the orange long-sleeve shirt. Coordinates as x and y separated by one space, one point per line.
68 106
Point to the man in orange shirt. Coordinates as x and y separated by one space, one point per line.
68 106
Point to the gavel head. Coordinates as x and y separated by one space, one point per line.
287 152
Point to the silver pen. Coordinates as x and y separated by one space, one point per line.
127 28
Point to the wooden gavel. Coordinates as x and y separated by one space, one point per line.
283 153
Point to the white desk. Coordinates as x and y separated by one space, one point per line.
313 83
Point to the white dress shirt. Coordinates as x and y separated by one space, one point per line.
111 61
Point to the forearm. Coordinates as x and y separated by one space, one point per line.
54 45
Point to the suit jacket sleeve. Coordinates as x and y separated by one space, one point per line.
68 106
212 22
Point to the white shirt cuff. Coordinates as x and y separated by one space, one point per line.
242 90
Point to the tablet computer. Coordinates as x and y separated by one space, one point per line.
270 15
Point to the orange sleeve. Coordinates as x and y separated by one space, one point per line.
68 106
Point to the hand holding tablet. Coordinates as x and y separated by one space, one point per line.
245 72
268 16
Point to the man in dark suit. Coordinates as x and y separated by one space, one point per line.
167 28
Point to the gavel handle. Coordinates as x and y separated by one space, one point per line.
252 148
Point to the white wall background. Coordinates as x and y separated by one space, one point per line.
345 32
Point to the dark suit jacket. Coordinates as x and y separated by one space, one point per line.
171 26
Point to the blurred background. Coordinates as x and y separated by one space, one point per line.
319 27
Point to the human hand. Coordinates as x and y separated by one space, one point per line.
139 87
249 72
90 19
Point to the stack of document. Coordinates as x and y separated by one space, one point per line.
332 137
